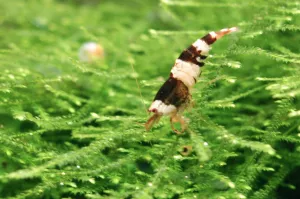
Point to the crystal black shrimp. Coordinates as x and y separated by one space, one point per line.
174 95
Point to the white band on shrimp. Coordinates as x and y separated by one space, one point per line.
161 108
202 46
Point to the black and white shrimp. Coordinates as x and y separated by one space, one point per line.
175 94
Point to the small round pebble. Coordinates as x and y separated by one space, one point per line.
90 52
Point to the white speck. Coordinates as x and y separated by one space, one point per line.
152 32
47 87
205 144
186 177
92 180
177 157
102 176
231 80
292 94
63 173
231 184
95 115
78 167
20 117
11 76
234 64
150 184
61 184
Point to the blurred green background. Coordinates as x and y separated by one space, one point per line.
75 130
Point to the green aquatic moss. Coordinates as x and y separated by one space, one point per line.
75 130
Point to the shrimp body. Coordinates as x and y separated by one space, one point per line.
174 95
